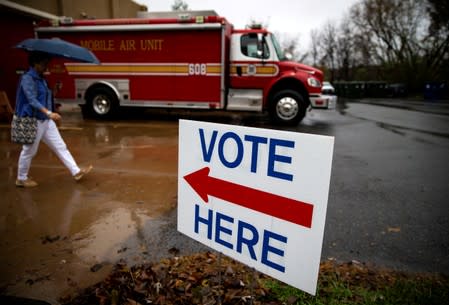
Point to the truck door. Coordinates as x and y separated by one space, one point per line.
252 64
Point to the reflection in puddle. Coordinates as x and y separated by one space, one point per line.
68 212
101 134
341 106
106 154
121 234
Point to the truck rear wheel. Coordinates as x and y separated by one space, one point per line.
287 107
102 103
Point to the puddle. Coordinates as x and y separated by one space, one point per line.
63 236
121 234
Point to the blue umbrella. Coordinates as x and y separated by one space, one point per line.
59 48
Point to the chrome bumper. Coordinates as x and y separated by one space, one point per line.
323 101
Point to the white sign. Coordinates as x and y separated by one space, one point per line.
256 195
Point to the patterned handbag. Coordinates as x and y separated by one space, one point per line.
23 129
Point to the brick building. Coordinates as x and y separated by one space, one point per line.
18 17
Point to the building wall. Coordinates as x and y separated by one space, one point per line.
43 5
13 61
86 8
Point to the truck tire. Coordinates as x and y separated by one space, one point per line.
102 103
287 107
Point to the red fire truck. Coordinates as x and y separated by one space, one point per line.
193 60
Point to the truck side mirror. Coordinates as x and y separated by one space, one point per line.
261 45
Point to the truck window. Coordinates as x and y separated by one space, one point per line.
278 48
249 46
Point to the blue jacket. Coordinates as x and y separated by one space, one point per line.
32 95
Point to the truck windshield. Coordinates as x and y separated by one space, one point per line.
278 48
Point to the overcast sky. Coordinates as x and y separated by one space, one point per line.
291 17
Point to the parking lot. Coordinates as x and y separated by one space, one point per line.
387 203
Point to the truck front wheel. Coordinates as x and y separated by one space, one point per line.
102 103
287 107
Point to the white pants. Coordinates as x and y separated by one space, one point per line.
49 134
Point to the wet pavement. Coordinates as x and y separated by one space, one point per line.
440 107
387 201
65 235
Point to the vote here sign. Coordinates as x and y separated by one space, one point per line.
256 195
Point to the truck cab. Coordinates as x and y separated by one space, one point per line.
263 78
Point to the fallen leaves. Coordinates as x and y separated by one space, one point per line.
209 278
196 279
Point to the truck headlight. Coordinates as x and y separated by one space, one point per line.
313 82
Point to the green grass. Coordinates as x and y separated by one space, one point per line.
366 287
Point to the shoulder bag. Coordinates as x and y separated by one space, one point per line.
23 129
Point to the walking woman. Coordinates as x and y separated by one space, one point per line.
34 98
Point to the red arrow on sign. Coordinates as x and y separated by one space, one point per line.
287 209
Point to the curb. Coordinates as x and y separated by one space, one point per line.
440 107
